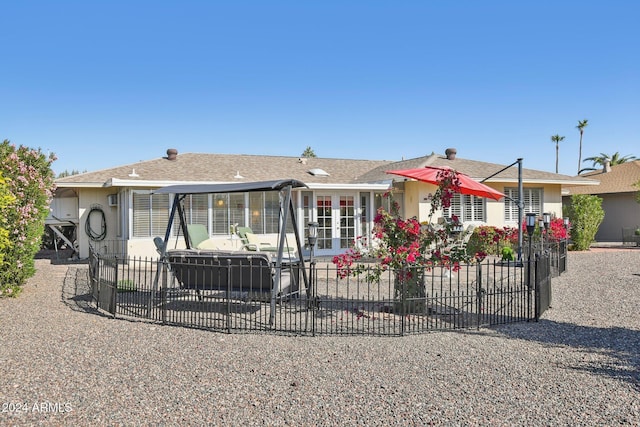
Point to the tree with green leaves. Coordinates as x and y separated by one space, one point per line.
557 139
603 158
586 215
581 125
30 181
7 200
66 173
308 153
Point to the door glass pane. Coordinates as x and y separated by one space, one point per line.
307 205
325 235
365 227
347 222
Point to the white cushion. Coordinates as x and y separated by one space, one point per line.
253 239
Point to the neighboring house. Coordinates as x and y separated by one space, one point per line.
618 193
118 204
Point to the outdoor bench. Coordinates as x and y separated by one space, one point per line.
629 235
233 271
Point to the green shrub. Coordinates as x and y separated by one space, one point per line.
28 180
489 240
508 254
127 286
586 215
6 202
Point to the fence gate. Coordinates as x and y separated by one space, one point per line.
105 284
543 284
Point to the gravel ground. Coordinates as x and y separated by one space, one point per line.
64 364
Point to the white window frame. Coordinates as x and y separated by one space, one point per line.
152 230
468 208
533 198
265 212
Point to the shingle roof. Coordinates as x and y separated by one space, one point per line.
477 170
619 180
195 167
225 167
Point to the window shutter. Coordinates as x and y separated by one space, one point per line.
467 208
532 198
141 215
159 214
478 206
456 207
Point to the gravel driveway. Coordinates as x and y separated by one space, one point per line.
65 364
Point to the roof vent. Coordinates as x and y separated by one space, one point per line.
450 153
133 174
318 172
172 154
302 160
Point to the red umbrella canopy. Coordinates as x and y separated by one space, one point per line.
433 175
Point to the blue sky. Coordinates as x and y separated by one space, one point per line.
103 84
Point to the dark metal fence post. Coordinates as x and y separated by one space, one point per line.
402 302
479 294
164 292
536 282
311 305
114 294
529 284
229 273
98 278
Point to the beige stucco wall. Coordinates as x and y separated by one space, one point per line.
416 196
87 198
552 199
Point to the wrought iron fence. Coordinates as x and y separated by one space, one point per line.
556 251
245 298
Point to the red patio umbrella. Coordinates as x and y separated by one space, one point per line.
467 184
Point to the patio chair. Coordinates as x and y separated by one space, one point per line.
467 233
199 237
251 241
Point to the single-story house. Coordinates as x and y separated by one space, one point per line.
619 198
119 205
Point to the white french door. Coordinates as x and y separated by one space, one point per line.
336 216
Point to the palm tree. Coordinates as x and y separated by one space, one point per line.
557 139
603 158
581 125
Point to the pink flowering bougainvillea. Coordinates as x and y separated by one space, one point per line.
29 181
406 247
489 240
